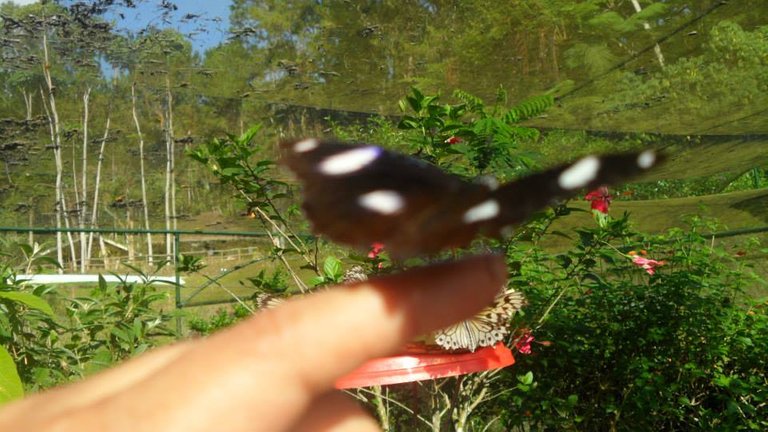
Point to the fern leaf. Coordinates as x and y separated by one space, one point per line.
528 108
474 103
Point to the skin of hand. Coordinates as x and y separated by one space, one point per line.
274 371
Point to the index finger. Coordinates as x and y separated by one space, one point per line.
341 328
272 366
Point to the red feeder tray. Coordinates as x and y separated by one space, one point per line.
420 362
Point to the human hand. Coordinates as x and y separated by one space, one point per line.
274 371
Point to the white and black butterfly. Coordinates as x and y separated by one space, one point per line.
487 328
361 194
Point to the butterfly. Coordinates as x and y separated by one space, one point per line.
360 194
486 328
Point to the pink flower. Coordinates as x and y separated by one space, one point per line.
376 249
453 140
647 264
524 344
600 199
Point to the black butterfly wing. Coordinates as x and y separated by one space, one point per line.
520 199
404 195
361 194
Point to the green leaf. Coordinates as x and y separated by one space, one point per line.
10 382
28 299
651 12
526 379
248 135
608 20
332 268
402 105
317 280
408 123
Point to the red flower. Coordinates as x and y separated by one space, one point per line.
649 265
600 199
524 344
376 249
453 140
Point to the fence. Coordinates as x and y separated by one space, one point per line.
220 262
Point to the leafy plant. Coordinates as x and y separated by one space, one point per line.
221 319
681 349
485 139
237 161
111 324
10 382
332 273
116 322
28 330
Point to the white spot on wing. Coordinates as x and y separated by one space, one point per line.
349 161
507 231
487 209
646 159
382 201
306 145
579 174
488 181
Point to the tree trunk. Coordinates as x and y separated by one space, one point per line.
145 208
656 48
170 205
97 183
553 54
81 203
53 121
27 103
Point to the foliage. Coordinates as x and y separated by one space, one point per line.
298 55
221 319
111 324
699 91
682 349
237 161
332 273
269 282
469 138
116 322
10 382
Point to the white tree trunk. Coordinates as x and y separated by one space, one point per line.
53 121
81 202
28 103
656 48
170 205
150 253
97 183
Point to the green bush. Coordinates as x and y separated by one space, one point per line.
683 349
53 339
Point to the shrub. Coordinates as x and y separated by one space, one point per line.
681 349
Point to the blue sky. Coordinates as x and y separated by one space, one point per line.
205 31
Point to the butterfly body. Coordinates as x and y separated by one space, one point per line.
362 194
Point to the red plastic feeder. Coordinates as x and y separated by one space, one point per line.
420 362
